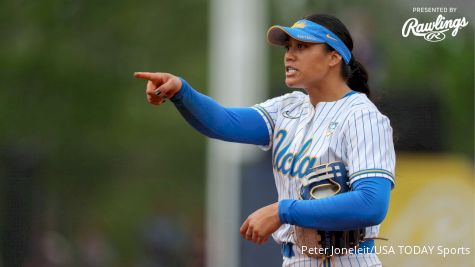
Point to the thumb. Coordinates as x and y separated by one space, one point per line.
170 87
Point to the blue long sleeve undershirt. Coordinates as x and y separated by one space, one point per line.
365 206
240 124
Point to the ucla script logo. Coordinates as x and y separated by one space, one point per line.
433 31
292 164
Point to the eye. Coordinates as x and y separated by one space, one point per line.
301 45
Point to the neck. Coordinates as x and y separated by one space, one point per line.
327 91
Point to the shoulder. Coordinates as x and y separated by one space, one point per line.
361 107
291 98
362 103
295 97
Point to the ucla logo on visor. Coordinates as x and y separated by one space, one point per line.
299 24
309 31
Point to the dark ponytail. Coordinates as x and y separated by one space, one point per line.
354 72
356 76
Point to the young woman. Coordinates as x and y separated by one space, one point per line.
333 121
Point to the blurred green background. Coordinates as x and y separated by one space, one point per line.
86 162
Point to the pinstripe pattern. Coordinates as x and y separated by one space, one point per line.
351 130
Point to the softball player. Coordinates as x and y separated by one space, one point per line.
332 121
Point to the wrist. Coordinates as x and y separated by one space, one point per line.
284 210
178 96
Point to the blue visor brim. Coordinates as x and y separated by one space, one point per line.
279 35
310 32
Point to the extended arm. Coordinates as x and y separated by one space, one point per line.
243 125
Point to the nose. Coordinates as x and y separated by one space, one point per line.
289 56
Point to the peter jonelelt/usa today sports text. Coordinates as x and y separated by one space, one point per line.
439 250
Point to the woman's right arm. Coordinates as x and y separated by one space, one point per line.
243 125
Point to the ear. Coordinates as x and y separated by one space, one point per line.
335 58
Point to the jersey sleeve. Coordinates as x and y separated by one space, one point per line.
269 110
369 146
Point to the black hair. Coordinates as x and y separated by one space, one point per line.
354 72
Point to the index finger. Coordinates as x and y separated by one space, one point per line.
154 77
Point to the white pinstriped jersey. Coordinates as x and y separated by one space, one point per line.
351 130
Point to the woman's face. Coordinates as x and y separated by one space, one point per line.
306 64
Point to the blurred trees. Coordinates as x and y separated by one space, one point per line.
69 100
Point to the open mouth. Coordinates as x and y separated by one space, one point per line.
290 70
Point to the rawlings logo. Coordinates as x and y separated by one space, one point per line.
433 31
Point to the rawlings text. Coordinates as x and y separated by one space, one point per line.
433 31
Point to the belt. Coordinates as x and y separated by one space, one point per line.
287 249
366 246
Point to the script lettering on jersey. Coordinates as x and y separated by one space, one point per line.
289 163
